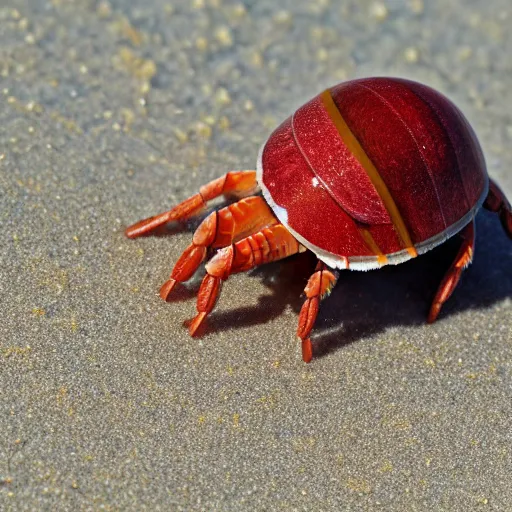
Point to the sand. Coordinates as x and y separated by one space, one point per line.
113 111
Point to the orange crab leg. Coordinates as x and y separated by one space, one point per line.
319 286
235 183
269 244
220 229
452 277
497 202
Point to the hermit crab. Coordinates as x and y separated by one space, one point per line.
368 173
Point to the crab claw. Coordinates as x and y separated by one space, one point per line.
307 350
167 288
206 299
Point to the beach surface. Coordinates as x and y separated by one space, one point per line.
114 111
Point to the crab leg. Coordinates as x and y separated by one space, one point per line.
498 203
220 229
269 244
451 278
235 183
319 286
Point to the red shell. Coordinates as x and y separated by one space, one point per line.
373 171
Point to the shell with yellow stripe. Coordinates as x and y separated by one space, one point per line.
373 172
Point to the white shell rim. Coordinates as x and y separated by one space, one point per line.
364 262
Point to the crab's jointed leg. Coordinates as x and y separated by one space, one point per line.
235 183
269 244
319 286
452 277
220 229
498 203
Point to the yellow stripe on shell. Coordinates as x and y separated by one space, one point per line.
354 146
370 242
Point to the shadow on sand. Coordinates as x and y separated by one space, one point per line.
365 303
